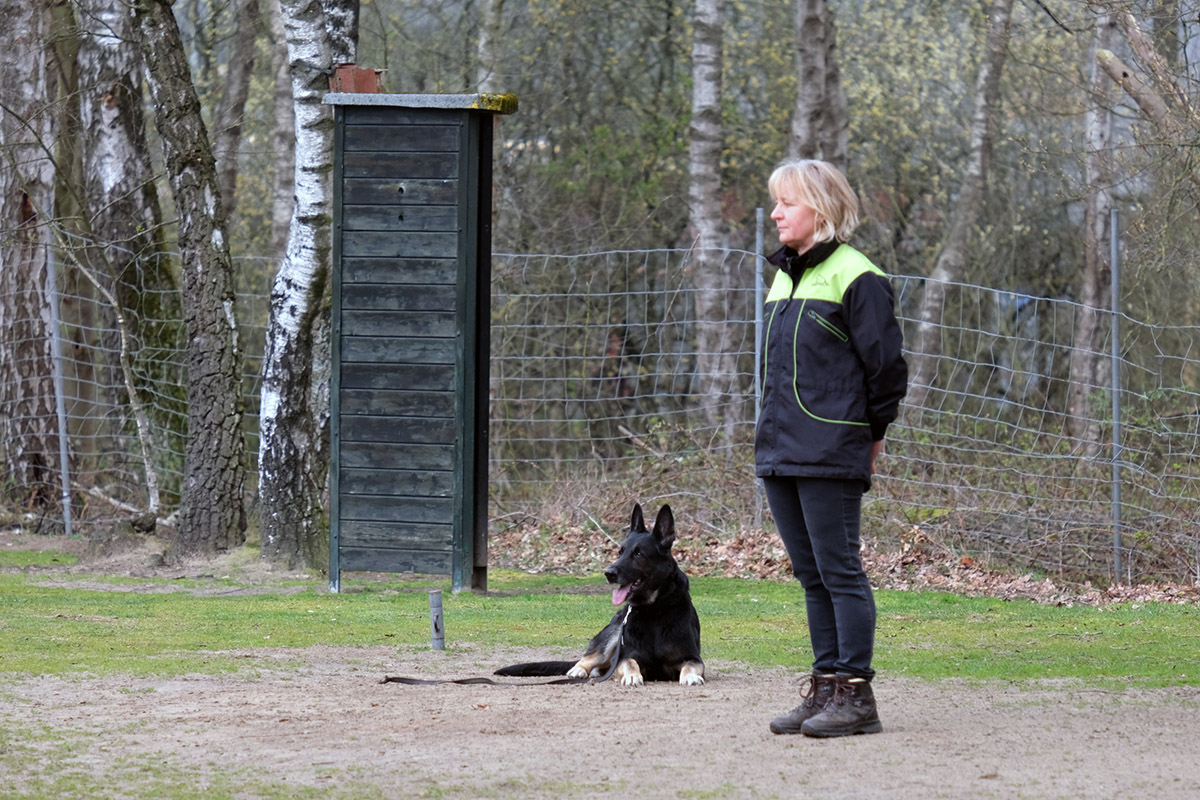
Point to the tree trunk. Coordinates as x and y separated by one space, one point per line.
341 26
120 199
227 129
965 214
123 216
490 19
714 376
820 120
212 514
283 139
32 468
292 465
1085 355
805 141
835 132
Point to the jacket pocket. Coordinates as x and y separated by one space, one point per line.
827 325
831 405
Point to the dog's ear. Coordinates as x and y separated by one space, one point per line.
638 523
664 528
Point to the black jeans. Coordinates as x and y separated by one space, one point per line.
818 520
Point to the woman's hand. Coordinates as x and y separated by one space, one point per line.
876 449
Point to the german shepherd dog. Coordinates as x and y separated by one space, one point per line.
656 636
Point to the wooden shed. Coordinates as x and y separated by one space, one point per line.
411 313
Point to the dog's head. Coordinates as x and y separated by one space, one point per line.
644 561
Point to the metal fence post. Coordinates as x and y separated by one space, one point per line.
1116 393
759 223
60 405
758 307
436 621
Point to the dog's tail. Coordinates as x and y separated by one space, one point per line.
536 669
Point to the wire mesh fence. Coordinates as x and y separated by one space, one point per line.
596 391
594 387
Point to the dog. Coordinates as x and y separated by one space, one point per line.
656 636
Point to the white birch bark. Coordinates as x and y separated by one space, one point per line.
341 25
289 488
283 138
967 206
715 371
490 20
1085 356
835 130
118 188
123 215
808 115
820 119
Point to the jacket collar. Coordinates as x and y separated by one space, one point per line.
794 264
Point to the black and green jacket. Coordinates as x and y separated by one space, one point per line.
833 372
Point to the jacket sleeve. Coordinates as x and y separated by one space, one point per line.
868 305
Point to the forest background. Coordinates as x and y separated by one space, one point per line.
165 170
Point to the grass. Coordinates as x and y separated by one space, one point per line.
171 627
38 558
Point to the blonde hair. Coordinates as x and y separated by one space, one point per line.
822 187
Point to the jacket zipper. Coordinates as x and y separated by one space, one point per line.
827 325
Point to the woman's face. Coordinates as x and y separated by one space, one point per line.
796 220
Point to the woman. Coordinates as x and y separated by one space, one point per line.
833 379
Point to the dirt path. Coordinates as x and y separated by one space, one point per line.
330 721
320 720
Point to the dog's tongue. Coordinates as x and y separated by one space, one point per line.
620 593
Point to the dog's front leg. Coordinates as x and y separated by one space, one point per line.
590 666
691 673
599 654
630 673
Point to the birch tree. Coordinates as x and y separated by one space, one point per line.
30 450
119 194
715 370
491 15
292 427
212 514
283 137
821 119
128 263
1085 360
964 215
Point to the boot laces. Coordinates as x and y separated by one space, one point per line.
844 692
809 689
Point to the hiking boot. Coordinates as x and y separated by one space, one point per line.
816 692
850 711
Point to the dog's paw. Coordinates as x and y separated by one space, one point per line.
632 679
577 672
691 679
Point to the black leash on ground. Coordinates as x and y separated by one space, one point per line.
485 681
612 667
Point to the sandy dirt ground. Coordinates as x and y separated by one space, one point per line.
331 717
321 720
